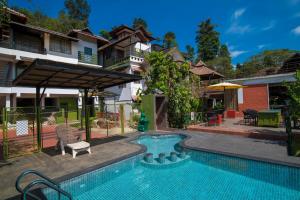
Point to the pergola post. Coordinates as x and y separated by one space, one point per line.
115 111
86 115
38 117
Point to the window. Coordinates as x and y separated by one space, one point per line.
88 51
60 45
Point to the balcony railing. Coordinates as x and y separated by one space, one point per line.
23 46
116 61
126 58
90 59
6 83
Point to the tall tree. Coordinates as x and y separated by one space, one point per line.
4 17
224 51
105 34
207 40
222 65
78 10
139 22
169 40
190 53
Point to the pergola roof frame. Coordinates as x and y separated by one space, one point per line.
80 76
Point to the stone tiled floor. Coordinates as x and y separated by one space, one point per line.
253 148
52 164
237 127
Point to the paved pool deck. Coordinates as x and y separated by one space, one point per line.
238 127
109 150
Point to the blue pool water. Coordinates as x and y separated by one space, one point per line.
160 144
205 176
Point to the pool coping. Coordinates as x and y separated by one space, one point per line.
242 156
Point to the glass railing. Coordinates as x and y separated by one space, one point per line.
84 58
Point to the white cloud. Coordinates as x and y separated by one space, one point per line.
261 46
237 53
238 13
240 29
235 26
296 30
269 26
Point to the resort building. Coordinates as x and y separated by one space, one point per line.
125 52
263 92
21 44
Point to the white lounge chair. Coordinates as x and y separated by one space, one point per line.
71 137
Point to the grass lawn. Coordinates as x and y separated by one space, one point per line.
72 116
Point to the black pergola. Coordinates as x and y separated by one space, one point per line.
51 74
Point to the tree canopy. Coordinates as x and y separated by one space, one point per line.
139 22
190 53
268 61
294 93
105 34
65 20
78 9
3 15
207 40
224 51
169 40
173 80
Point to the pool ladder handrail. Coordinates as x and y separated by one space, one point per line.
46 181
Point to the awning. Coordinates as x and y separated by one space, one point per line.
52 74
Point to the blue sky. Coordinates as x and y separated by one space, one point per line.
246 26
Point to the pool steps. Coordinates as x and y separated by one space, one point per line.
173 159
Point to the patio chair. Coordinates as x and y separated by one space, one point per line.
250 116
211 118
72 138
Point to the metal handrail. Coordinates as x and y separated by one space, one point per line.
46 181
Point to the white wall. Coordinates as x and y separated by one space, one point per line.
142 46
83 42
52 55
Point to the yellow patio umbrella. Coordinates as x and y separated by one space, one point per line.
223 86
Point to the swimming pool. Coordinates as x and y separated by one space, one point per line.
205 176
160 143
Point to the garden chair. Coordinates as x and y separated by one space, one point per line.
72 138
211 118
250 116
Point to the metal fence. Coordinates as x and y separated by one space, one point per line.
18 133
18 127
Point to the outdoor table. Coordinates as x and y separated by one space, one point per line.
269 118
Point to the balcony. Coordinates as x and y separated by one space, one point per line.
23 45
90 59
7 83
133 56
